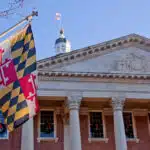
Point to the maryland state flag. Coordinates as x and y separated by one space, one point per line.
18 98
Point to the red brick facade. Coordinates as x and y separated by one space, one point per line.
142 133
50 145
97 145
14 142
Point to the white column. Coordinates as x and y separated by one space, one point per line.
120 137
66 133
75 136
27 138
66 137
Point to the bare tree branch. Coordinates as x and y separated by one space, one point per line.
13 5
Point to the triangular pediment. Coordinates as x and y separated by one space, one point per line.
118 56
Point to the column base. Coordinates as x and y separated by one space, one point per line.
47 140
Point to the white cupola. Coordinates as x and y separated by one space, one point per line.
62 45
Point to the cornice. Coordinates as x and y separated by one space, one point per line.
90 51
46 74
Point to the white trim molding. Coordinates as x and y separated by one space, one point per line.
55 138
5 138
104 139
98 140
93 51
135 138
47 139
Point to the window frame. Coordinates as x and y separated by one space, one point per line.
5 138
148 122
133 125
55 127
90 139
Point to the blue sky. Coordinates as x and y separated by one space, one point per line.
86 22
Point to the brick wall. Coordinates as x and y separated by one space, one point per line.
14 142
97 145
50 145
142 133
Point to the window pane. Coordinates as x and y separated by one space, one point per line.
47 124
128 125
96 125
149 116
3 129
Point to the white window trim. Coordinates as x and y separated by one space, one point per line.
135 139
90 139
5 138
55 138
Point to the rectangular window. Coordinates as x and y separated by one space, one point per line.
149 122
3 129
96 125
47 124
128 123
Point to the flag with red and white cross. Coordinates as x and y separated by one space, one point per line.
18 78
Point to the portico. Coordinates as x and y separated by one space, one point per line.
79 106
79 102
97 96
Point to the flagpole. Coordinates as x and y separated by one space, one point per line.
27 18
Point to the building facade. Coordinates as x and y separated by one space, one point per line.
94 98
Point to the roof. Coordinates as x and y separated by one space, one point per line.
93 50
59 40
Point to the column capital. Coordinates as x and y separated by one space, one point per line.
118 102
74 100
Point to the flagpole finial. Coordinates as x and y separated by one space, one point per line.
62 33
35 13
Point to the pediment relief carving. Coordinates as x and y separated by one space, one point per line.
132 62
